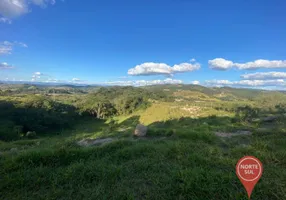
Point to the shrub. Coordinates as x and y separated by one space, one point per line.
7 131
246 113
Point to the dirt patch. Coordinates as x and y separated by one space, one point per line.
192 109
92 142
121 129
229 135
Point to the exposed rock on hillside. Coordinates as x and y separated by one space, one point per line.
270 119
140 130
92 142
228 135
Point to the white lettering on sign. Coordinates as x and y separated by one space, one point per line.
248 171
249 166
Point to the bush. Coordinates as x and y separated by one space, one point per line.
246 113
7 131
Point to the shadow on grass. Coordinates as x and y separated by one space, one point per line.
35 114
184 126
130 122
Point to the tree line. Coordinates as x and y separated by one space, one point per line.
42 114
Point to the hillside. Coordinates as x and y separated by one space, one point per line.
195 137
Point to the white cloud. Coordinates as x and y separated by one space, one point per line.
22 44
185 67
38 73
13 8
51 80
220 64
262 64
265 75
42 77
6 47
43 3
218 82
5 65
145 82
76 80
223 64
5 20
7 43
195 82
16 8
247 83
151 68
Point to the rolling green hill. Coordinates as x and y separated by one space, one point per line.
195 137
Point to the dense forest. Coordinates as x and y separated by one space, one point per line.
23 111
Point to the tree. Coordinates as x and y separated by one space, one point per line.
246 113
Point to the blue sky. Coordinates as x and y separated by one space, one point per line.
144 41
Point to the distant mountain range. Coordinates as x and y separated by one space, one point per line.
153 87
48 83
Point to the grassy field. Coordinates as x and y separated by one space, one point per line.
190 163
181 157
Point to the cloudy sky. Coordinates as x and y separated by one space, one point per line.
215 43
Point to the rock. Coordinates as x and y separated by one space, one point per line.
256 120
140 130
92 142
31 134
229 135
243 132
14 150
269 119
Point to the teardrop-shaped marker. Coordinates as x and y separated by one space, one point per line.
249 170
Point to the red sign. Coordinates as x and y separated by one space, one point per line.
249 170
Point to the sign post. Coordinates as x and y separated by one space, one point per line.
249 170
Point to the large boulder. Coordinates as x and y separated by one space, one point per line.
140 130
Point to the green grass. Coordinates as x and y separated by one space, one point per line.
180 159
